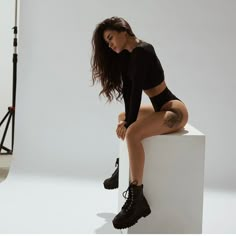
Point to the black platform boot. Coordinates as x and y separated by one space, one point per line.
135 207
112 182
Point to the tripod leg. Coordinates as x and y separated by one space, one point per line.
4 118
5 131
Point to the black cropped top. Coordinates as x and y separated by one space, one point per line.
140 70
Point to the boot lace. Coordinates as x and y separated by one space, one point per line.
130 198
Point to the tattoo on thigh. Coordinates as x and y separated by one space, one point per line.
174 118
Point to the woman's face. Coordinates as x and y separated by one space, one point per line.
115 40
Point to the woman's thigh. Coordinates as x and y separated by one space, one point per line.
172 117
180 109
144 111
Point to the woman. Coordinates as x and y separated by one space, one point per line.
125 66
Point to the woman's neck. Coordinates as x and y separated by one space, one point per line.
132 43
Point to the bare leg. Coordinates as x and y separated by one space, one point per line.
155 123
136 161
144 111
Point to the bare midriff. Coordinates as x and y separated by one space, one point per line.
156 90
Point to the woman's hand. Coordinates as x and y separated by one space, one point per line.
121 130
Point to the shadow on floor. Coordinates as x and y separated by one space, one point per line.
107 228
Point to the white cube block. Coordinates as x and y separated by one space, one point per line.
173 182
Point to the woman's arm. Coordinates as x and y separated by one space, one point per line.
138 73
126 95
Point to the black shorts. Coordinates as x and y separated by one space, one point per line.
159 100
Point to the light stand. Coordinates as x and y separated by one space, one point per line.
11 110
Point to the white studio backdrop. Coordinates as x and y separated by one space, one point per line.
65 142
62 128
59 115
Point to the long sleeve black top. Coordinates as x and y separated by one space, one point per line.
141 70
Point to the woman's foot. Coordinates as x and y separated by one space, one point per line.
112 182
135 207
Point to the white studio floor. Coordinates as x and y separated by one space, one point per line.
31 204
38 204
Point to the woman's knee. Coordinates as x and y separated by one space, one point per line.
133 133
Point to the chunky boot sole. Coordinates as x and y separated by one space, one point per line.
133 221
110 187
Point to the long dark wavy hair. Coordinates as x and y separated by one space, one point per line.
104 61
